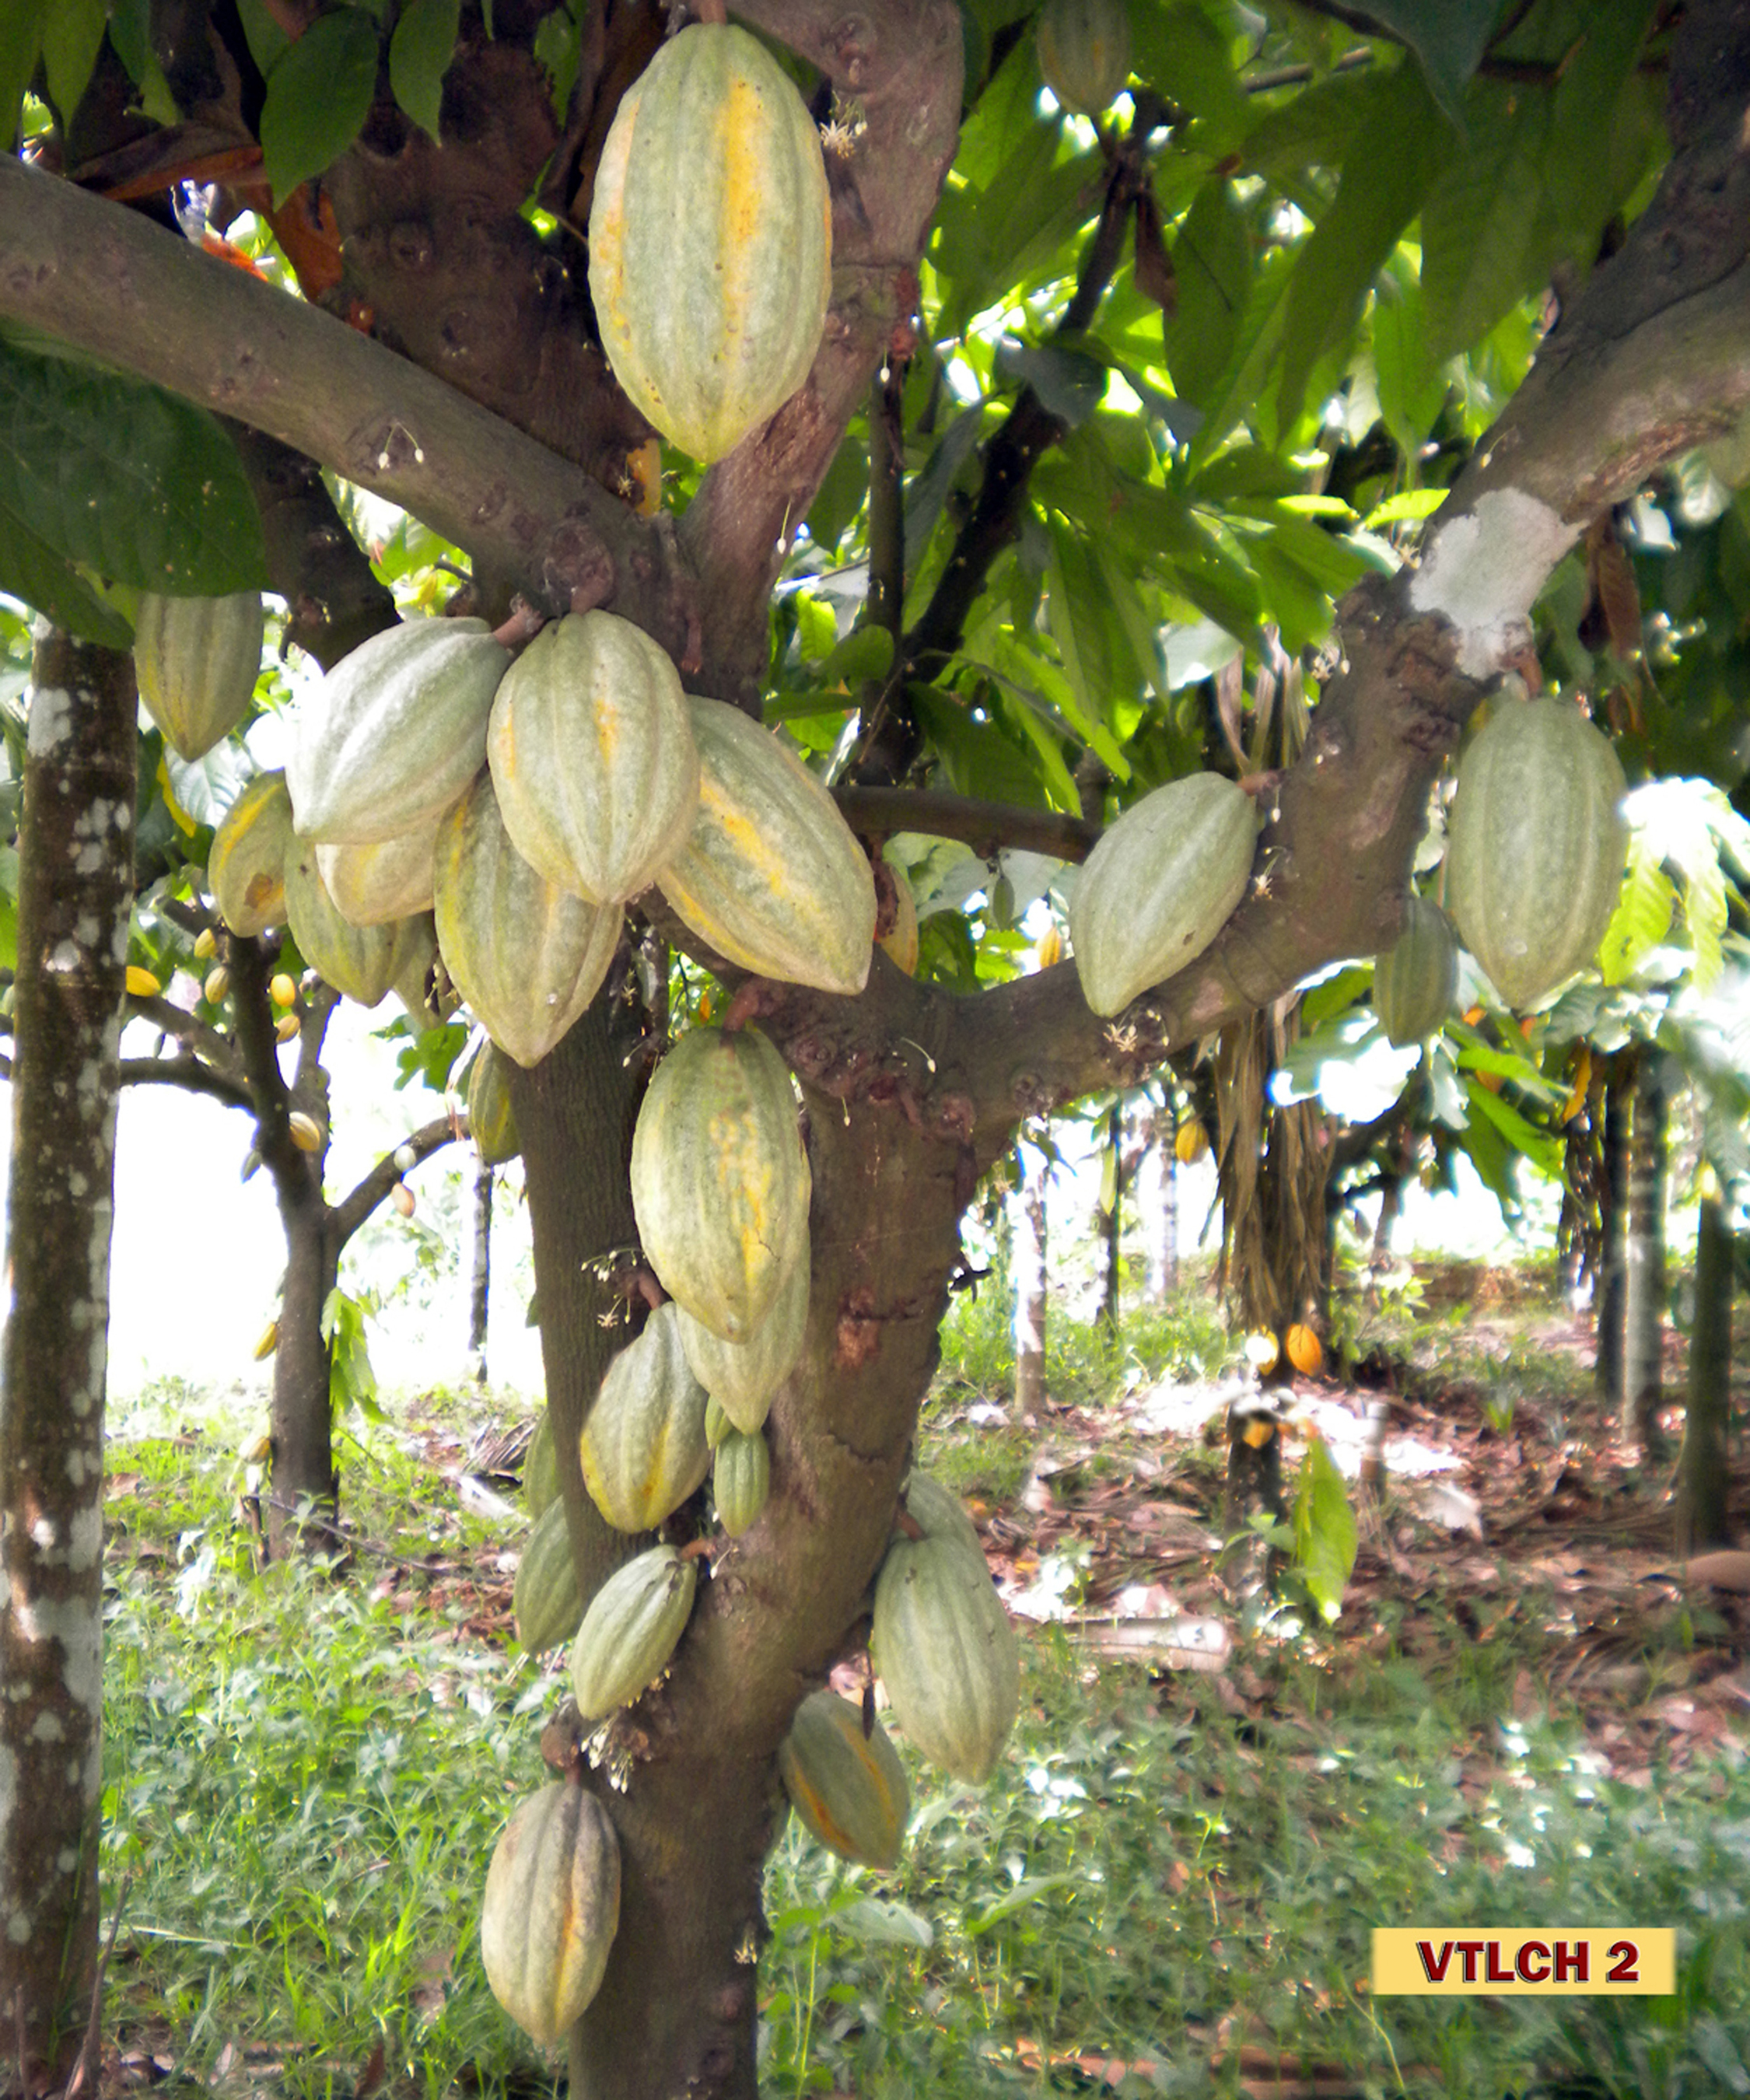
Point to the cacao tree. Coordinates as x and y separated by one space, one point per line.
1080 415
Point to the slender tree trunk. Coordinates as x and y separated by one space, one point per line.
1030 1268
480 1279
302 1413
689 1777
1644 1290
1161 1204
1702 1476
76 892
1112 1226
1613 1206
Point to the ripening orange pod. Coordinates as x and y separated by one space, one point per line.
1191 1143
1306 1352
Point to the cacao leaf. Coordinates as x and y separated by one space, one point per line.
72 32
30 570
138 486
319 95
1326 1535
1448 37
1396 153
21 27
420 52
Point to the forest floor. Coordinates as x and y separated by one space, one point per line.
1524 1715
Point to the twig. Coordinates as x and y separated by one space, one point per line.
82 2070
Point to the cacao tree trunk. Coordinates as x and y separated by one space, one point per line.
1644 1269
1703 1476
1613 1206
1160 1202
480 1275
305 1500
76 849
1112 1225
1030 1267
696 1802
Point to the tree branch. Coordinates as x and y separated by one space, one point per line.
108 281
350 1212
196 1035
879 813
190 1075
901 61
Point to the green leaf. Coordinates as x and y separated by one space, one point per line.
1394 156
1070 382
1212 264
1094 646
1448 37
33 572
1180 47
140 486
1643 913
264 37
420 52
873 1921
71 32
1326 1532
351 1381
319 95
22 23
865 652
1544 1151
1485 242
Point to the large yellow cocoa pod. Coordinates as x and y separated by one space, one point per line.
362 962
592 757
631 1627
720 1179
196 660
375 884
527 957
946 1653
1084 49
1159 887
551 1909
848 1787
395 732
491 1121
770 873
742 1377
246 868
1536 844
643 1450
711 239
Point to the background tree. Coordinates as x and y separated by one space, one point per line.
1089 430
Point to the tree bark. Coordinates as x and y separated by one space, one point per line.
305 1500
1644 1284
480 1277
1703 1474
1613 1226
700 1801
1029 1267
1112 1226
75 893
1160 1204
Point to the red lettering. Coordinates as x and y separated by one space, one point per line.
1625 1958
1435 1971
1494 1973
1527 1973
1468 1951
1572 1963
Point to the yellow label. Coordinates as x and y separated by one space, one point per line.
1558 1961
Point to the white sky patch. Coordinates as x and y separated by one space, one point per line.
1484 569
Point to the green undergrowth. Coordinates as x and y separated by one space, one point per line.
306 1773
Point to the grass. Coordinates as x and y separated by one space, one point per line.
305 1775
